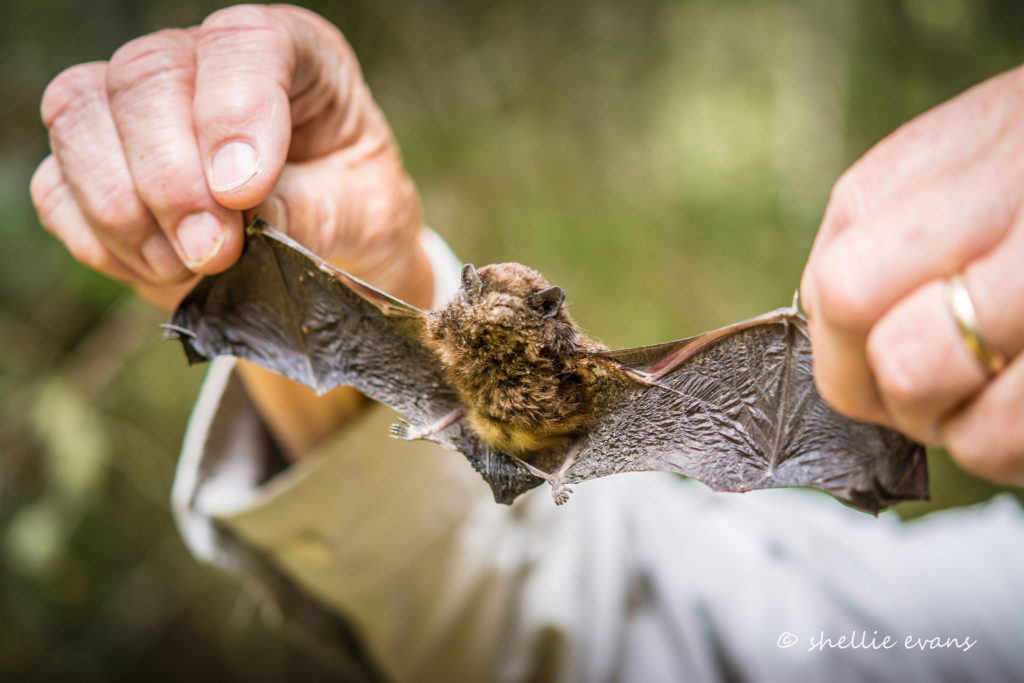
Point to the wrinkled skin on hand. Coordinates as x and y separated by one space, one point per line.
157 152
938 197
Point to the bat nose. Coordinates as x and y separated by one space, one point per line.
503 312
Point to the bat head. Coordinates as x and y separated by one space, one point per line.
506 308
512 295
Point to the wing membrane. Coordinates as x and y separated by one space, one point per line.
743 413
286 309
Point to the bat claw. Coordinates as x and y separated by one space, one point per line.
560 492
402 430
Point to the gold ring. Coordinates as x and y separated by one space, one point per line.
958 300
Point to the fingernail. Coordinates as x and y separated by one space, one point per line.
275 212
201 236
233 164
159 255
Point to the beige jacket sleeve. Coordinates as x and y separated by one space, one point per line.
642 577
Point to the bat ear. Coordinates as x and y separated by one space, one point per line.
471 285
546 302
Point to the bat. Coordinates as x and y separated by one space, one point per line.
503 375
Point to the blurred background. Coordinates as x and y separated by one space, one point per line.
666 162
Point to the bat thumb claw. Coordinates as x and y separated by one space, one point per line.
172 331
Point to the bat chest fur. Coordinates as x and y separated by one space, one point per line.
526 388
521 404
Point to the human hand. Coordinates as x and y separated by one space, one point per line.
939 197
157 152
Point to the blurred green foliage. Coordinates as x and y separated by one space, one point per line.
666 162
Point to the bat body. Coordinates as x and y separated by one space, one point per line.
503 375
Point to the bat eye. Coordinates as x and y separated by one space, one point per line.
546 302
471 285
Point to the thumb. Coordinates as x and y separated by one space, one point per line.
256 68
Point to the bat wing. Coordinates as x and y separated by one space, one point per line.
284 308
738 410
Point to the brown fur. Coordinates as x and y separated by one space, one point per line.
528 383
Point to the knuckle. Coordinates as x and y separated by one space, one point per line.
839 290
995 460
235 108
90 254
845 202
120 218
169 178
71 90
808 294
966 454
43 187
111 205
231 22
245 61
150 58
102 261
253 32
986 437
898 372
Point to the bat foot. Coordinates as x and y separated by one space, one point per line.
404 431
560 492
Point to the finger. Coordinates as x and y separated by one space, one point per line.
332 107
919 359
842 375
245 61
995 282
150 83
921 366
987 436
86 145
940 141
946 137
931 233
60 215
267 77
870 267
